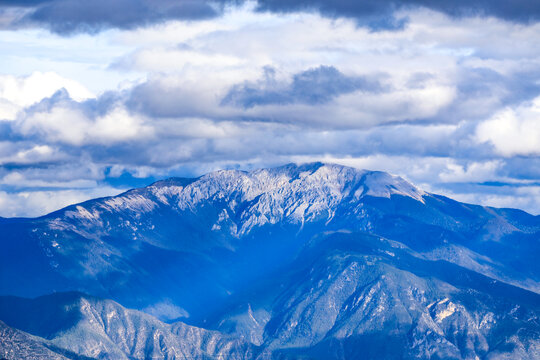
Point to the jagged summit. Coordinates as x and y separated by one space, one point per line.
323 181
341 178
244 200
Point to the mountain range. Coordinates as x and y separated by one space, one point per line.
313 261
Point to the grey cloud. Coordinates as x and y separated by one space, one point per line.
380 14
482 91
481 82
375 14
153 98
73 16
525 168
24 3
314 86
419 79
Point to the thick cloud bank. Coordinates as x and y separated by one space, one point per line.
72 16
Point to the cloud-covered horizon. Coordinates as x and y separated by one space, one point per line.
450 99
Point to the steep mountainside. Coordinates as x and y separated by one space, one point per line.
72 323
352 294
317 260
16 344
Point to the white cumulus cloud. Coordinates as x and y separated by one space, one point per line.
513 131
19 92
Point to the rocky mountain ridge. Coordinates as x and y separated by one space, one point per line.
313 261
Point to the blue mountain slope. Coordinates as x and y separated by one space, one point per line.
230 251
350 294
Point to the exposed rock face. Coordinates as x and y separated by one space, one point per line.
355 292
16 344
321 261
103 329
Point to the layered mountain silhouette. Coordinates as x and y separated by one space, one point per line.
316 261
